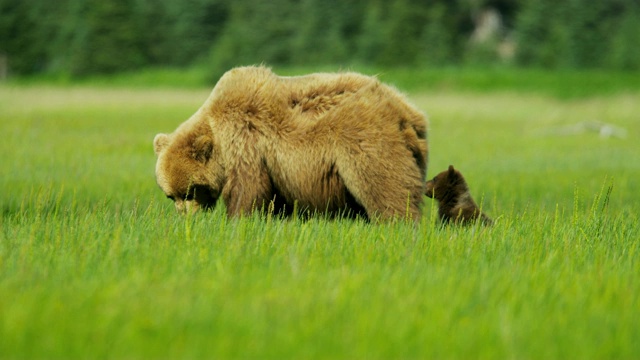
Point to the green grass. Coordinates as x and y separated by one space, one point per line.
95 263
565 84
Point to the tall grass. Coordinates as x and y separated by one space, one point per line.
94 262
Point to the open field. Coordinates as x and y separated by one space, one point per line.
94 262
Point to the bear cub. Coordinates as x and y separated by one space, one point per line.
455 203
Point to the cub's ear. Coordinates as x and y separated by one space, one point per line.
202 148
159 142
451 169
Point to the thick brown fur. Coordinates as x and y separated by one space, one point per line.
455 203
330 143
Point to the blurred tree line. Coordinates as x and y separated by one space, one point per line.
81 37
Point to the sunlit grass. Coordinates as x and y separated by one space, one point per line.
94 262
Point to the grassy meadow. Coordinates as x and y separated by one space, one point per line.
95 263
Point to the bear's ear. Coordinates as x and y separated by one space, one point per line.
159 142
451 170
202 148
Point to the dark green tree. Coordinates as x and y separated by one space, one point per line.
27 30
625 40
326 32
103 36
577 33
256 32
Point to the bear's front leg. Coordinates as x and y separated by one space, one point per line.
247 190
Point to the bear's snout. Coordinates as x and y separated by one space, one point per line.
201 201
428 190
185 207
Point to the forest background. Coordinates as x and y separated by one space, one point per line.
78 38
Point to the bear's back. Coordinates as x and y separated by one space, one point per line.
256 90
301 108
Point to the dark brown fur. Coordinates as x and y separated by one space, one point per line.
328 143
455 203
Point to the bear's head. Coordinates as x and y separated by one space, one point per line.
188 169
446 185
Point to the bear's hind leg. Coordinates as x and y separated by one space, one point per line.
386 189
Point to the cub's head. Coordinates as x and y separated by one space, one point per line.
447 184
188 168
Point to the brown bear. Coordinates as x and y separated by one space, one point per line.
455 203
328 143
